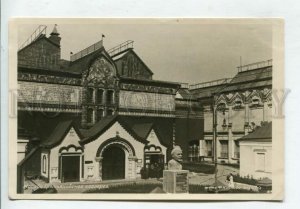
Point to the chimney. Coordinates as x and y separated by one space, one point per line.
54 36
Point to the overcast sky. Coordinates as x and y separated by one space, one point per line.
181 52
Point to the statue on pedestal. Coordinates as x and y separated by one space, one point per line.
175 163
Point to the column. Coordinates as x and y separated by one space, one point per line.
99 168
246 118
132 167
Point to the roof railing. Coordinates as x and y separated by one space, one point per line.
210 83
86 51
120 48
255 65
41 29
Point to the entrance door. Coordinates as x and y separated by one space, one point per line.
70 168
113 163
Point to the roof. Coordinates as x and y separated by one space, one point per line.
138 131
186 94
148 81
262 134
59 133
207 91
142 129
130 50
250 79
81 64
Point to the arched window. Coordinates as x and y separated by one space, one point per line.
90 95
99 96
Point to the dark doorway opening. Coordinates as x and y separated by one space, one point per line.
155 163
70 168
113 163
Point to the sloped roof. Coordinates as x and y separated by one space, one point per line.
40 37
59 133
139 132
98 128
163 127
207 91
250 79
142 129
83 63
119 56
263 133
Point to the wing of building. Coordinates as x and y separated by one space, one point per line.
239 104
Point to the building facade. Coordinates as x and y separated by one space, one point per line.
234 108
256 153
99 115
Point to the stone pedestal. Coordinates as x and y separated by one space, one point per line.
176 181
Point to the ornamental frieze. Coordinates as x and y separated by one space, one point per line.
153 89
48 79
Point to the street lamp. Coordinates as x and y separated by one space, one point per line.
216 107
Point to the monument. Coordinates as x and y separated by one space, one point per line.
175 180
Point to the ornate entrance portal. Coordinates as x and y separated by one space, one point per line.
113 163
116 160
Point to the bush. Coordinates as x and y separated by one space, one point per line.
244 180
198 167
50 190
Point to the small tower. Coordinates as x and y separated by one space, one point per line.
54 36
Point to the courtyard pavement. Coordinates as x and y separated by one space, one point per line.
79 187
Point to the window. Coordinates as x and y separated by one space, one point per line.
44 164
236 149
224 148
260 162
193 153
100 96
209 148
99 114
90 95
110 97
90 115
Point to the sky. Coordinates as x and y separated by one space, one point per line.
191 52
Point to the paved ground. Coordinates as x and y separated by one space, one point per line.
79 187
208 179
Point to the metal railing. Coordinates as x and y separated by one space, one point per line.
121 47
86 51
210 83
255 65
41 29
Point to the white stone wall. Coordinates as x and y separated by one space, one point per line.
92 170
71 139
249 164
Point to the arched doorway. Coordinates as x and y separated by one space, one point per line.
113 163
